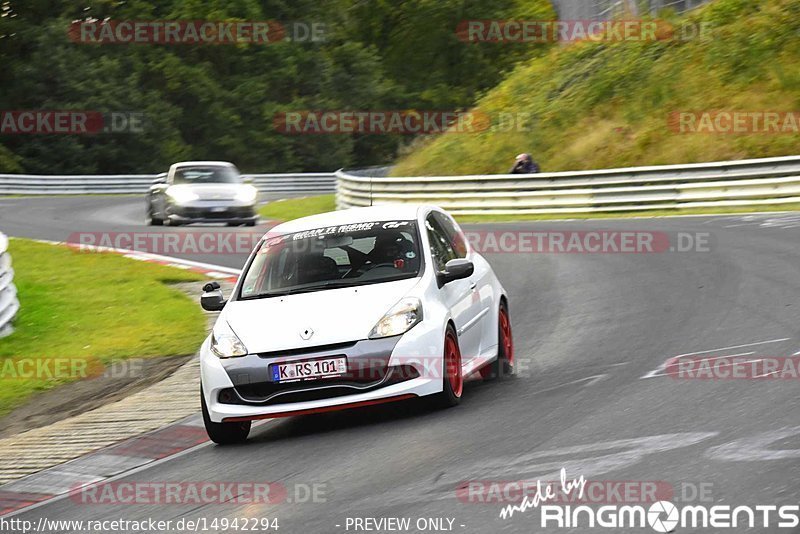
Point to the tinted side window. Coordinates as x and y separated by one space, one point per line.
458 242
441 248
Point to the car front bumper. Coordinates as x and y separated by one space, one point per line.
218 211
248 393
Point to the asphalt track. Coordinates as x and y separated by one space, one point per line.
588 328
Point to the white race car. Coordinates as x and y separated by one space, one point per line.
352 308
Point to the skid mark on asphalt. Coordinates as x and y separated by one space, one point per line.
659 371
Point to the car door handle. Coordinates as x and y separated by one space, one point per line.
472 286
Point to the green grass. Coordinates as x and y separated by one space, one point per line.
606 105
294 208
92 307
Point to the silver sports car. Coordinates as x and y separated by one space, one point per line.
201 191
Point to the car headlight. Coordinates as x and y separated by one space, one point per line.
399 319
247 193
224 342
181 195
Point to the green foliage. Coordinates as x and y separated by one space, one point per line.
600 105
218 101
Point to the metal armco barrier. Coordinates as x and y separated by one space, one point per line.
9 305
27 184
314 183
748 183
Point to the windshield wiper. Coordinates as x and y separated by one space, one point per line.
333 284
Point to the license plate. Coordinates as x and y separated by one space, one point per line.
309 369
218 210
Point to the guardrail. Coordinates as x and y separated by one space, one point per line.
312 183
28 184
9 305
748 183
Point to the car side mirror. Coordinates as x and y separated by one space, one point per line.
212 298
456 269
160 180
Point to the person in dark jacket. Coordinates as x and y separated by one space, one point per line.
524 164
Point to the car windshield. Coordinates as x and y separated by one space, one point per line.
333 257
207 174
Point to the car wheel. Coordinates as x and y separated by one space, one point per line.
224 433
504 364
453 380
153 221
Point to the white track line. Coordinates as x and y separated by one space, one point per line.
658 370
735 347
726 356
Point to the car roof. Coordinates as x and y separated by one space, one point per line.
383 212
203 163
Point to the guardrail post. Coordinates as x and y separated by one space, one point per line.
9 305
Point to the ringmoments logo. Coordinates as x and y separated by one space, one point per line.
556 511
664 516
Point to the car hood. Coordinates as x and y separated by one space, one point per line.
213 191
334 315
